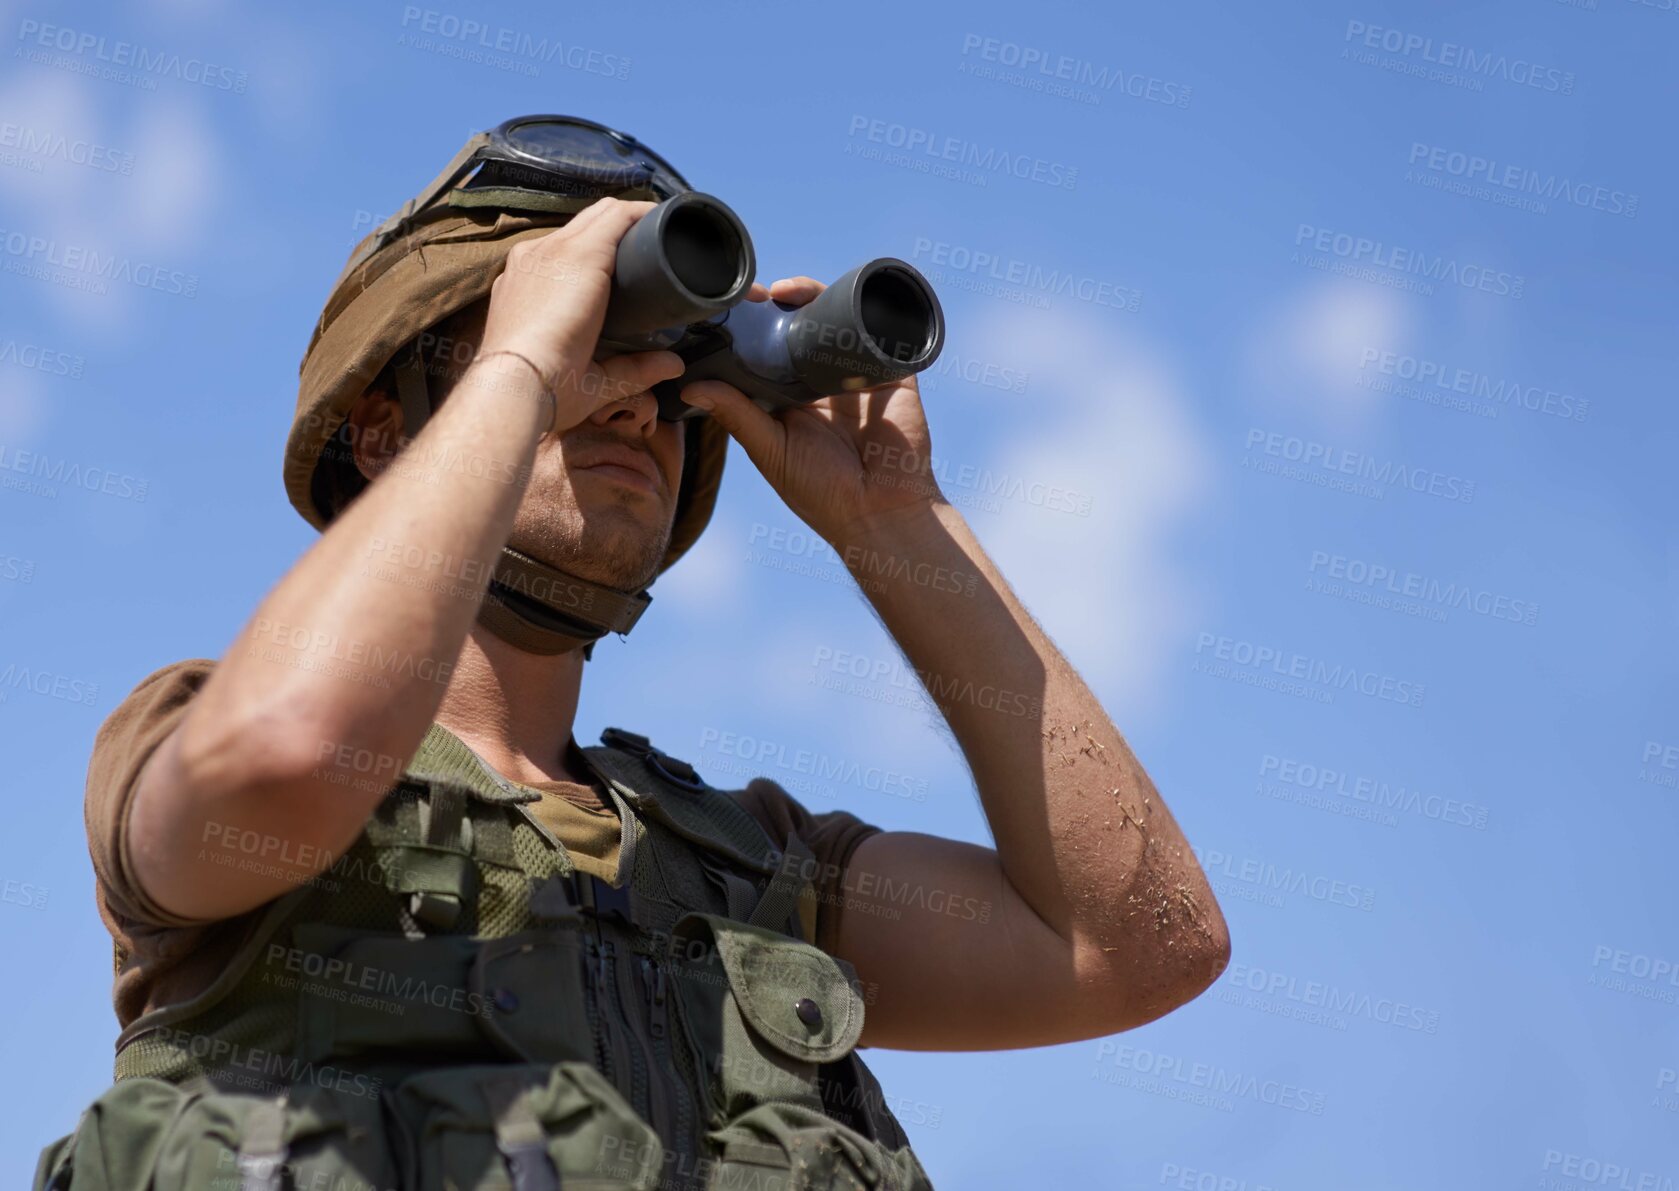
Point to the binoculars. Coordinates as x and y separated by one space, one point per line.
680 285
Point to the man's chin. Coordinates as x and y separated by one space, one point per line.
615 552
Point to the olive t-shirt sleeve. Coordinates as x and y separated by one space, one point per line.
125 742
158 957
832 837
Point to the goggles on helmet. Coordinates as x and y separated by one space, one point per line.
542 156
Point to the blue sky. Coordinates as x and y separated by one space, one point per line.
1344 333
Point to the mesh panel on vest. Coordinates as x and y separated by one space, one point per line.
504 906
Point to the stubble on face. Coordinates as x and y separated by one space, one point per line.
613 536
616 537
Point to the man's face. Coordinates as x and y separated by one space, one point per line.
602 496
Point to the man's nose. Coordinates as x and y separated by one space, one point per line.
640 412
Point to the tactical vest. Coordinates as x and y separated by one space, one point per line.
452 1005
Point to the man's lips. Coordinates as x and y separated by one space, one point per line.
614 461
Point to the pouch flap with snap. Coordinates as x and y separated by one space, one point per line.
796 997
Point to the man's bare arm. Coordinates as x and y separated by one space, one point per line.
1092 915
334 658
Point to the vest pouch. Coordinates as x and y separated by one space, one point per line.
524 1127
116 1143
763 1013
362 993
325 1133
147 1133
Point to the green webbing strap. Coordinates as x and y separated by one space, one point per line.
781 898
519 1136
517 198
396 820
441 886
262 1147
741 893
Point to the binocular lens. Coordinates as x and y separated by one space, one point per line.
704 250
896 315
687 259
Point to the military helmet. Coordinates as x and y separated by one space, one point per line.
437 255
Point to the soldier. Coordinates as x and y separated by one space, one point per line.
381 922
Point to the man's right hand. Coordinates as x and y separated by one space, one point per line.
549 303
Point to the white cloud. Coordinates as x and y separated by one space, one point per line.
709 576
1302 356
23 408
175 180
1113 424
152 216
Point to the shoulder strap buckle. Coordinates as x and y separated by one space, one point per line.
672 769
634 742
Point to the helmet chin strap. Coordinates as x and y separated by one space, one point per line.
529 604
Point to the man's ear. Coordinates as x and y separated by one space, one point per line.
375 422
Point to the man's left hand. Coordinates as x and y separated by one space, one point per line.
847 463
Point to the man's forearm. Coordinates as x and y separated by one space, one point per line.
353 648
1080 831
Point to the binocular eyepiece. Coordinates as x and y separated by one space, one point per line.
680 283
